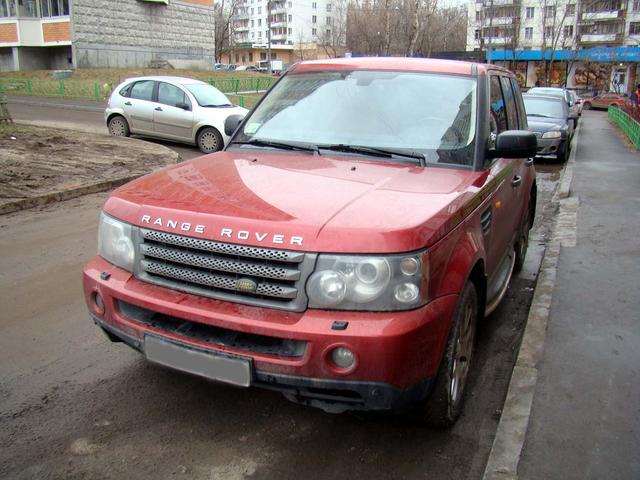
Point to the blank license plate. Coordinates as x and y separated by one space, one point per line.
236 371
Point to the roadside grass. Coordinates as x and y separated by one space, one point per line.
116 75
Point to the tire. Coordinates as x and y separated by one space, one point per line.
563 153
522 244
118 126
444 405
587 106
209 140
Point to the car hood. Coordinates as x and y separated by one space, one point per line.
299 201
538 124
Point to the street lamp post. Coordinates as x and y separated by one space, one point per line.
269 34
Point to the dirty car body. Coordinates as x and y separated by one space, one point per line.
340 249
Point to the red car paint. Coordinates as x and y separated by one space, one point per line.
328 204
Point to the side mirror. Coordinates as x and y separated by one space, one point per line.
231 123
515 144
183 105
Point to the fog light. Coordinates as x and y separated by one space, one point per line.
343 357
406 293
98 302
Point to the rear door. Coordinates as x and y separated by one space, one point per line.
169 119
138 108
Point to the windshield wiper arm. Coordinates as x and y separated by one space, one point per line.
538 115
381 152
281 145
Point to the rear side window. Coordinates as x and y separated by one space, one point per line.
124 92
512 114
522 114
142 90
498 115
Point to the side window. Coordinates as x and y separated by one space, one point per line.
170 94
142 90
497 114
522 114
124 92
512 114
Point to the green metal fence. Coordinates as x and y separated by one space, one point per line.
92 90
628 125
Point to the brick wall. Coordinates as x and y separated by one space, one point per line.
8 33
123 33
56 32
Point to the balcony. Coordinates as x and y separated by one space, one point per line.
592 17
595 38
497 21
500 3
496 41
241 27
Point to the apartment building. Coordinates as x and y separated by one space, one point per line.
580 33
61 34
300 23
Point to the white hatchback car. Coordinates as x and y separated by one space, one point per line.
171 108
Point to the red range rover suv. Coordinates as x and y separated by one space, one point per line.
365 216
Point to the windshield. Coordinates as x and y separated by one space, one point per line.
543 107
207 96
430 115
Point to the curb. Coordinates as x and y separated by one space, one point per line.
61 195
64 126
508 443
64 106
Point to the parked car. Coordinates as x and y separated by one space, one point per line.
246 68
344 246
604 100
564 94
220 66
172 108
549 117
577 101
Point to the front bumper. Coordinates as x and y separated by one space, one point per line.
549 146
397 353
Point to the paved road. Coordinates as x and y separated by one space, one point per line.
75 406
86 118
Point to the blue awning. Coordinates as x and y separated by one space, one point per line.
596 54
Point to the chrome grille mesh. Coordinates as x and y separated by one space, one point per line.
274 278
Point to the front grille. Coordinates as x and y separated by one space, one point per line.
237 273
248 342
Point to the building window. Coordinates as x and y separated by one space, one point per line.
571 9
568 31
328 20
259 10
476 34
328 7
314 32
290 18
478 16
27 8
314 5
530 12
291 31
252 25
314 19
7 8
550 11
528 33
290 4
548 32
634 28
251 56
263 55
238 58
252 10
260 34
259 22
636 5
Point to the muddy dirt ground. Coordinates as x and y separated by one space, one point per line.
38 161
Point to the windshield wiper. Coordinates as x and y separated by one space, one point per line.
538 115
381 152
219 105
281 145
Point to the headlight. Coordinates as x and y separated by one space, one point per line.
349 282
552 134
114 242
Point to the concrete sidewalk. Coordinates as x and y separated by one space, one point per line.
64 103
585 420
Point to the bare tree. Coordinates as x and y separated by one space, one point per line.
554 16
333 37
223 13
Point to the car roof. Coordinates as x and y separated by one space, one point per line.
170 79
426 65
551 98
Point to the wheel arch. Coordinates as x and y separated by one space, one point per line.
533 201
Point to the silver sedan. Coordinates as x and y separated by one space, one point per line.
173 108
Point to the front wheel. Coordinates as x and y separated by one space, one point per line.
209 140
444 405
563 152
587 106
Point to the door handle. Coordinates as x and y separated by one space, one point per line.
517 181
528 162
158 109
128 104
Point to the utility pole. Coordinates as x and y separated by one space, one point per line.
269 34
